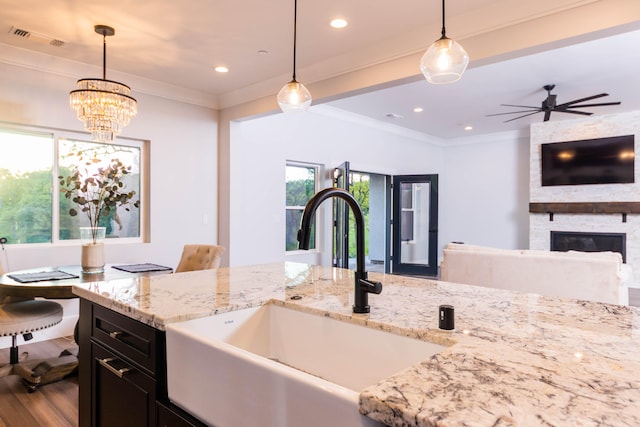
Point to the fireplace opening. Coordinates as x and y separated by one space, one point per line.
589 242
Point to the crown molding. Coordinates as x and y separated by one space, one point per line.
37 61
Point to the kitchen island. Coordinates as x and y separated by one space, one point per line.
513 359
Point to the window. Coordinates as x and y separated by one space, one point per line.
26 187
301 185
88 158
32 208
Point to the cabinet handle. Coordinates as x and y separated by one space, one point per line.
119 372
115 334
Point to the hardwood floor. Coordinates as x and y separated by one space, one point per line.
54 404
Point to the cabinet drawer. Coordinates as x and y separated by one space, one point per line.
132 339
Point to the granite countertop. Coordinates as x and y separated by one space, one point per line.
514 358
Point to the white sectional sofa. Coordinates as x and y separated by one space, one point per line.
591 276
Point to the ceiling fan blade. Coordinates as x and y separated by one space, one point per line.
549 105
600 104
537 110
582 113
577 101
519 106
519 117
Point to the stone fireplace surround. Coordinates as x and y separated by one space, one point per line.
541 224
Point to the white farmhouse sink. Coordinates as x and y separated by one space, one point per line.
275 366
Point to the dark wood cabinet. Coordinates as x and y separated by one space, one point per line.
122 372
124 395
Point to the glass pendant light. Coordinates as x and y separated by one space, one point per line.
445 60
294 97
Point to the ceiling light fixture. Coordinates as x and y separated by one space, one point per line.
294 97
103 105
221 69
445 60
339 23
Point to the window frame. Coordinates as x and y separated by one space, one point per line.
316 186
62 134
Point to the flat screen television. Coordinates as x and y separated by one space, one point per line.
590 161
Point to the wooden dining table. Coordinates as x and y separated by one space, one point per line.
62 288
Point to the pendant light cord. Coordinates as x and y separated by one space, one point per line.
295 28
444 33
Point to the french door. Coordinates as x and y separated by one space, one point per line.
403 226
415 225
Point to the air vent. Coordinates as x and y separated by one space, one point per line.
35 37
20 33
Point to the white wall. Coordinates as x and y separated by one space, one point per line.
183 144
259 151
484 194
483 181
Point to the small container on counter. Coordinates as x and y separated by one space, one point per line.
446 317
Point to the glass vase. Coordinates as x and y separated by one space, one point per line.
92 239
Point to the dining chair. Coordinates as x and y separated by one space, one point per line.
24 316
200 257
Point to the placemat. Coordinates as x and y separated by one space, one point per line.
142 268
41 276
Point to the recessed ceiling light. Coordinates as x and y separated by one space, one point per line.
418 110
393 116
263 52
221 69
468 127
339 23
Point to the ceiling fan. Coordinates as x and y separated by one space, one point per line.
549 105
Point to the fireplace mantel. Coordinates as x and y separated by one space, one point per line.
622 208
586 207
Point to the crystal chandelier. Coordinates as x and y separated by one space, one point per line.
103 105
294 97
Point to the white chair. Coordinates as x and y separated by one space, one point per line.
200 257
